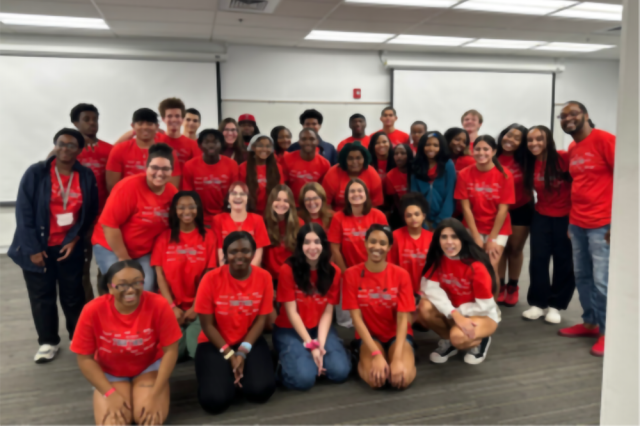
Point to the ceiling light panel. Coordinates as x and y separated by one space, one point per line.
588 10
574 47
348 37
414 3
429 40
504 44
53 21
524 7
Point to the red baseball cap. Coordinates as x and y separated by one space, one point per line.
246 117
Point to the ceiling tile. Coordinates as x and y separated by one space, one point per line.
81 8
408 15
224 32
161 29
363 26
145 14
307 9
169 4
254 20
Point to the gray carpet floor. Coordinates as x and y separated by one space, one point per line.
530 376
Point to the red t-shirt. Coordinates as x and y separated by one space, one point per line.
129 159
396 137
382 170
125 345
74 204
321 223
275 256
591 164
96 158
410 254
349 232
223 225
310 307
211 182
183 147
336 180
261 172
396 183
463 162
184 262
298 171
522 195
234 304
463 283
486 191
379 296
557 201
363 141
140 214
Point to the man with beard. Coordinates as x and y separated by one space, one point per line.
248 127
591 161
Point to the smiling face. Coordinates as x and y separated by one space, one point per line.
483 153
572 119
210 146
191 122
284 139
87 123
186 210
414 217
159 171
248 128
263 149
66 149
471 123
126 287
377 246
173 119
312 202
230 133
355 162
511 141
431 148
450 243
458 144
417 130
536 142
382 147
239 255
144 130
312 246
308 142
357 195
238 198
281 204
400 156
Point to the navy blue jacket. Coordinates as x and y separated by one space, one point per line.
32 212
327 150
438 193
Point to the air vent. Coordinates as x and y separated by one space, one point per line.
251 6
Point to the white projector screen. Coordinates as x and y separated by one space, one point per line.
37 94
439 98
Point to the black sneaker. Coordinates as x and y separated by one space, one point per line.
479 353
444 351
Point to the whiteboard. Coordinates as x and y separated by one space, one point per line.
439 98
37 94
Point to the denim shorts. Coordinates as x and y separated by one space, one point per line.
153 367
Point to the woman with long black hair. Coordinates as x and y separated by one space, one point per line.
457 290
381 154
398 182
547 171
261 172
181 256
281 137
512 151
308 289
434 176
458 141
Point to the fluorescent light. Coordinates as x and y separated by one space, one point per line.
525 7
52 21
429 40
603 12
504 44
574 47
348 36
416 3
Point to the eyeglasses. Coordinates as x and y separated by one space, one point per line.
160 169
311 199
572 114
230 131
71 146
138 285
239 194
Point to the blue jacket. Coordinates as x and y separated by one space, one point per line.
32 212
438 193
327 150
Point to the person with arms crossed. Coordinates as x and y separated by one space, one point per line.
308 289
358 126
135 214
457 290
312 119
126 345
314 207
181 256
591 162
210 174
234 146
379 298
56 207
233 303
547 171
388 117
191 124
130 157
261 172
471 122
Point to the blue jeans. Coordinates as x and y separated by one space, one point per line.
105 258
591 269
298 369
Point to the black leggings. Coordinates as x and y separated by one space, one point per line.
216 390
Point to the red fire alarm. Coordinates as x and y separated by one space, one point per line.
357 93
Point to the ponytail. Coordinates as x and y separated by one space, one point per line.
499 167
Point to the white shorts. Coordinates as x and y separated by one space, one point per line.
501 240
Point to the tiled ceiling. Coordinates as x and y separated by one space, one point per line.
293 19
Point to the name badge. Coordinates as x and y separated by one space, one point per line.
64 219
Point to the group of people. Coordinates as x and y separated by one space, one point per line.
206 240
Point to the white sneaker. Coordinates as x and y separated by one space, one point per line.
46 353
553 316
476 355
444 351
533 313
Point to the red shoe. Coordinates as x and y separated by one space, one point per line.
598 348
502 294
579 330
511 299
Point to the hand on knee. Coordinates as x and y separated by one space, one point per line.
458 339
